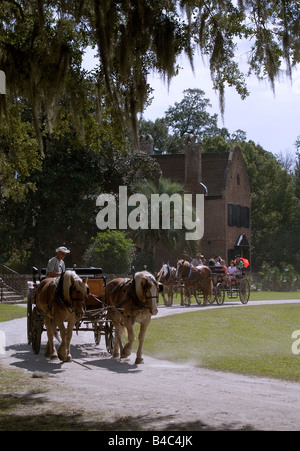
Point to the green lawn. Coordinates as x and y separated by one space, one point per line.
273 295
253 340
254 296
9 312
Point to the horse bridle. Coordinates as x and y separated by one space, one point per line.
78 299
138 303
69 306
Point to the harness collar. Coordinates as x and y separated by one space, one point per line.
131 293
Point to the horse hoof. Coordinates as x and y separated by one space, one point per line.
138 361
53 357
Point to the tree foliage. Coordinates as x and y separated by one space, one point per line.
42 43
18 154
60 206
112 251
190 115
275 218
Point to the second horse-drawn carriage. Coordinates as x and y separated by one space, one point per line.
236 286
207 284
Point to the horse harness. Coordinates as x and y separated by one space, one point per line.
128 287
192 273
59 297
171 277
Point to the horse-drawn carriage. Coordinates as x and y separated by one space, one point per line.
236 286
95 317
189 280
207 284
69 303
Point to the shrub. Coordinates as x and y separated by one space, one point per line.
274 278
112 251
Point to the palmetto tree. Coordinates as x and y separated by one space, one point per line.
168 225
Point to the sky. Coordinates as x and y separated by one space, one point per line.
271 120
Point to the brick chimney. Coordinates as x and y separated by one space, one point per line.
193 167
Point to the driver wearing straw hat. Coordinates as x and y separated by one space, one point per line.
56 264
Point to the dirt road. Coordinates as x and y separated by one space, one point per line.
157 395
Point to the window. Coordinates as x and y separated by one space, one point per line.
238 216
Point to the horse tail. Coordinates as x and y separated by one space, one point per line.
211 286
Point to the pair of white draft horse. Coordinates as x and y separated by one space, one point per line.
61 300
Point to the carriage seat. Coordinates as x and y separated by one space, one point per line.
217 270
96 282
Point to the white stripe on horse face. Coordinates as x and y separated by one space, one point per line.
154 299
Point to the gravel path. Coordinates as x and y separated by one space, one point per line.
158 395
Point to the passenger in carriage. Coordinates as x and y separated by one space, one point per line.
239 264
211 263
218 267
232 271
223 266
217 260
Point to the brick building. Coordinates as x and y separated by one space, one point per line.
222 177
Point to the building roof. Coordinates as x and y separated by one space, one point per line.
214 166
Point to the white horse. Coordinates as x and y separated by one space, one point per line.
60 300
133 301
167 276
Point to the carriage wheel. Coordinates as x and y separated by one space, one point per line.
29 317
219 293
244 291
109 337
36 331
